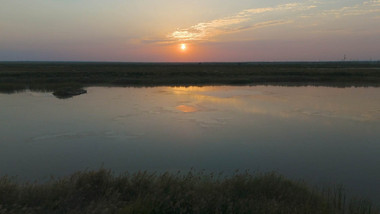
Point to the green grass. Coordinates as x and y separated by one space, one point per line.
101 191
18 76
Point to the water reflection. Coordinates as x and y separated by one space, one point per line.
317 133
350 103
186 108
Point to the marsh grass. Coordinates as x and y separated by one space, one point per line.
101 191
52 76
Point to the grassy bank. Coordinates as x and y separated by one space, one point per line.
194 192
52 76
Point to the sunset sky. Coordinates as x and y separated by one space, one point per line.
189 30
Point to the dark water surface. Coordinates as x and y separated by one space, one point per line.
320 134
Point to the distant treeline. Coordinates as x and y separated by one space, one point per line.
50 76
195 192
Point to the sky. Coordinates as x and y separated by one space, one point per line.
210 30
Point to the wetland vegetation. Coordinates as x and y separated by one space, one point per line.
101 191
53 76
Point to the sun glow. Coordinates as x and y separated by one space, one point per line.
183 46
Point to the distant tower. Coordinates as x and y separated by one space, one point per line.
344 57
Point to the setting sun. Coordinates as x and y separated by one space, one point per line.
183 47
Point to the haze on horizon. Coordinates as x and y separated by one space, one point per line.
212 30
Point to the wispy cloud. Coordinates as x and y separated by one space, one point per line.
241 21
263 17
366 7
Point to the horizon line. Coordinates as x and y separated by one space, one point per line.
195 62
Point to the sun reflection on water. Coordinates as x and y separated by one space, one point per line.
186 108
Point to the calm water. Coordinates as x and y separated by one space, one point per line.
323 135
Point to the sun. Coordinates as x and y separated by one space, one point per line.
183 46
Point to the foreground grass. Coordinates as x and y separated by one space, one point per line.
195 192
16 76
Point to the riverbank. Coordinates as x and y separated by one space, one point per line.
193 192
51 76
